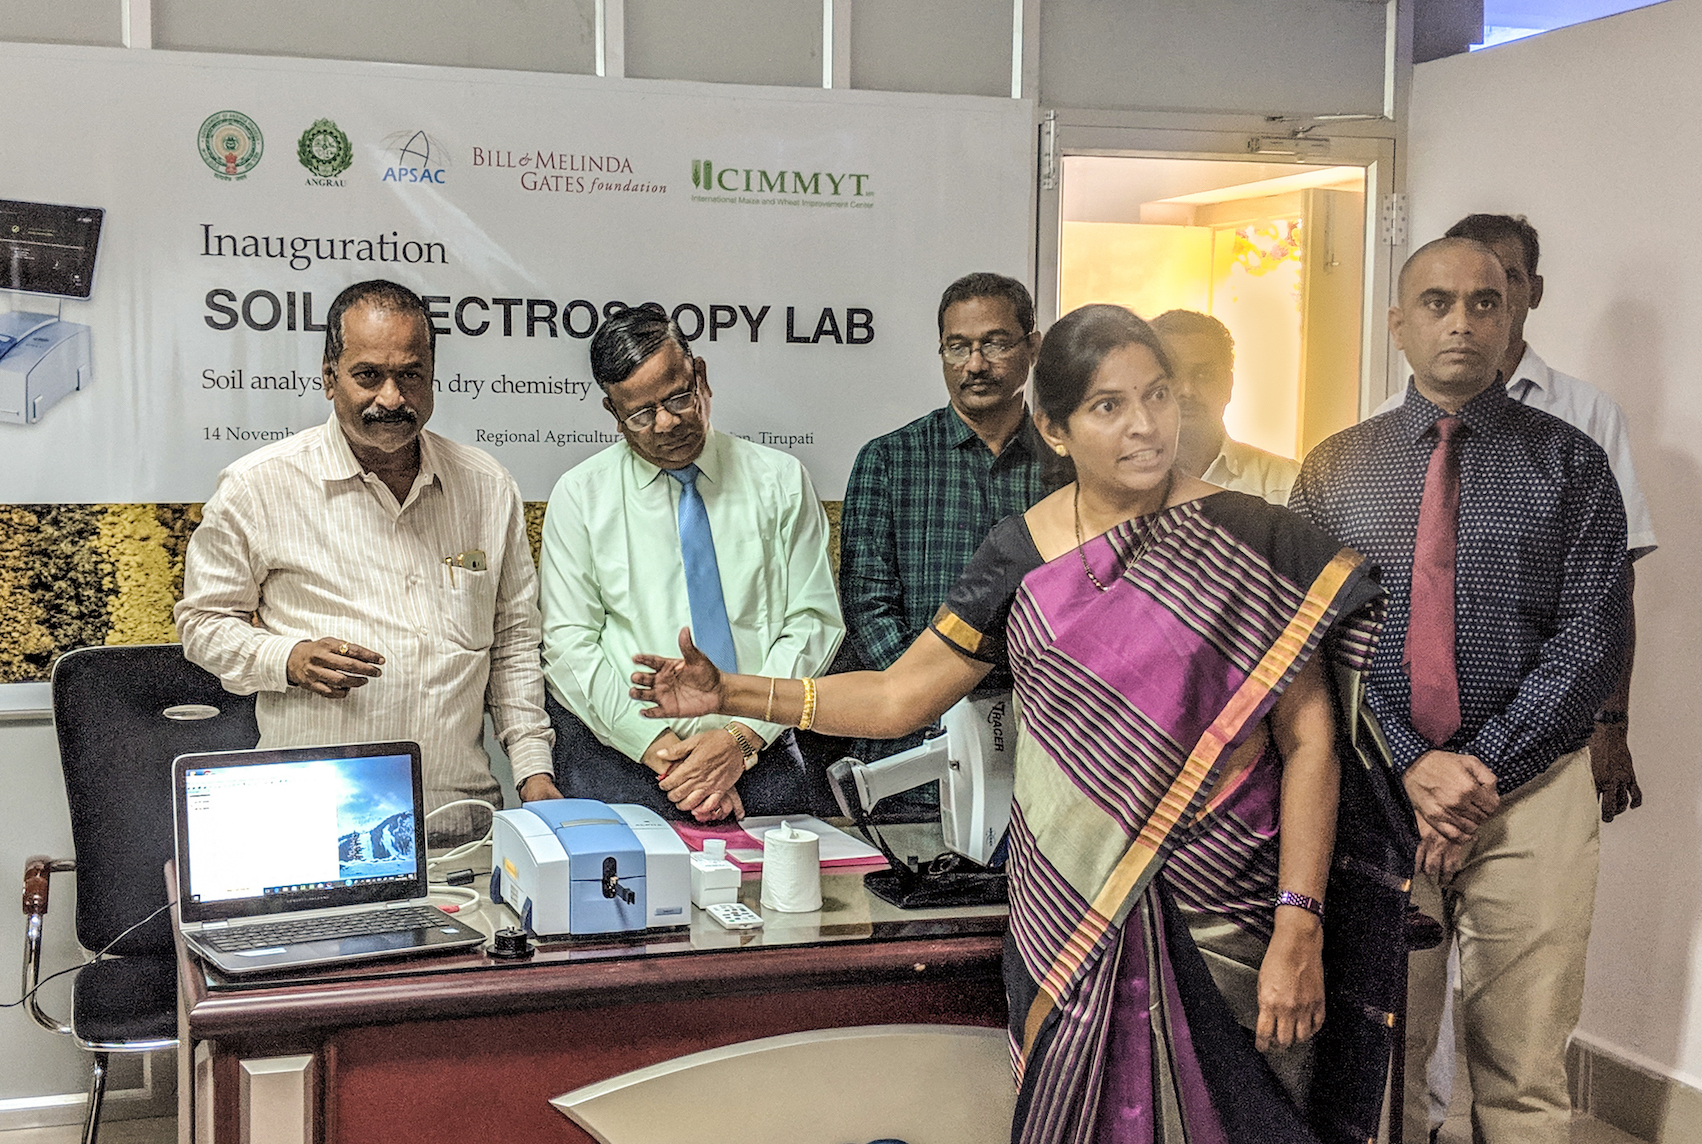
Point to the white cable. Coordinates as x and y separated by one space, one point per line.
466 848
464 895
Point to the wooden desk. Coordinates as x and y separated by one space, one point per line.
460 1047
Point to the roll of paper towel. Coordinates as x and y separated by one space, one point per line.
791 870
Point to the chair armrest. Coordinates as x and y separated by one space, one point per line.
38 874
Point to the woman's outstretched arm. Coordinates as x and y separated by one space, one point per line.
1291 979
916 690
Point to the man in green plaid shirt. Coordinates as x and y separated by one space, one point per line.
922 498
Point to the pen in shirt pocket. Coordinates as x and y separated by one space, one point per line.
473 560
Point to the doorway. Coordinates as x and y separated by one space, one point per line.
1275 251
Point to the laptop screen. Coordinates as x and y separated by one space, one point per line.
263 832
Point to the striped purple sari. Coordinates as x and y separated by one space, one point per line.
1132 702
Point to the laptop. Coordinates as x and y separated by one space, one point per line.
306 857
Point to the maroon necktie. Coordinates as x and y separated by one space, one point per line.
1429 657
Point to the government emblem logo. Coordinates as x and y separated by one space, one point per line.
231 144
324 150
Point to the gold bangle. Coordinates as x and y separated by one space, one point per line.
809 713
746 747
768 712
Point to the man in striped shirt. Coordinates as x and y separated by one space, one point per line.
372 580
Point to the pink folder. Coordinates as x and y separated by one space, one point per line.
696 833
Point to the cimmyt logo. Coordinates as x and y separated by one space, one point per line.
231 144
706 175
324 150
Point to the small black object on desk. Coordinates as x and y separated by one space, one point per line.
511 944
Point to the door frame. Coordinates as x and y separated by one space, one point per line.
1369 144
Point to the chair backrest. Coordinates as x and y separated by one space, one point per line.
116 745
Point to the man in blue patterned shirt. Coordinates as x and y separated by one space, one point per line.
1503 791
922 498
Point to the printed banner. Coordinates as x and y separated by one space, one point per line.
173 228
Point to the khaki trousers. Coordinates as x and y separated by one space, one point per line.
1520 909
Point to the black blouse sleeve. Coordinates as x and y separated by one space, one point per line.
972 619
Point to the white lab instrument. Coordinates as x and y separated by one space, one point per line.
974 759
41 360
48 250
579 866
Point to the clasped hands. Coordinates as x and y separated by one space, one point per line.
1453 795
698 773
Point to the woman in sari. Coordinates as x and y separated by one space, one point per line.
1185 664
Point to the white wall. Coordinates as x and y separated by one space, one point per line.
725 41
1259 56
1268 56
558 36
1591 132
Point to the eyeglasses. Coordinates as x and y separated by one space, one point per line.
958 353
679 405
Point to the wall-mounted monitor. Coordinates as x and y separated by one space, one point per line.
48 249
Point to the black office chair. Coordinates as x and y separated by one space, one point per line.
122 714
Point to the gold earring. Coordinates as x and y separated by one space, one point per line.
1060 450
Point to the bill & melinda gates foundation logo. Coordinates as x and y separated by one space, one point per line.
568 172
759 186
231 144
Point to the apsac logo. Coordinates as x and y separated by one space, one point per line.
231 144
325 151
415 157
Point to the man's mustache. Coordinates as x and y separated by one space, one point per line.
401 416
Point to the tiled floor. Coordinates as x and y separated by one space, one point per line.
1458 1129
160 1131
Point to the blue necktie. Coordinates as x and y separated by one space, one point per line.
709 627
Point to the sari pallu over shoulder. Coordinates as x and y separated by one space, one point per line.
1133 701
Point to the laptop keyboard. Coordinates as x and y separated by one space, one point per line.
322 929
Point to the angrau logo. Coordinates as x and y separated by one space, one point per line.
325 151
706 176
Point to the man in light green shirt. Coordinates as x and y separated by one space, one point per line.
623 534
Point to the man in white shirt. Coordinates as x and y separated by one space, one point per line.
678 526
372 580
1202 372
